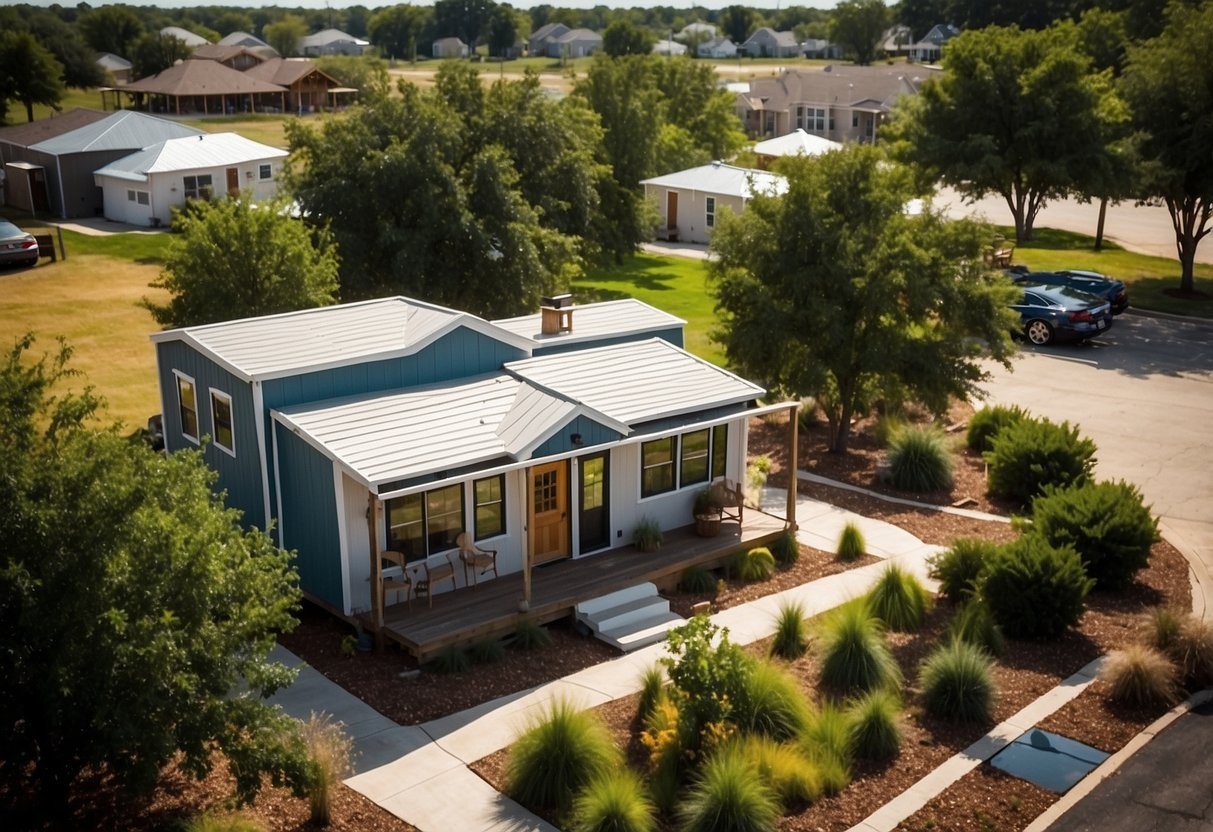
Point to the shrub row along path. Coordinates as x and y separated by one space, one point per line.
420 773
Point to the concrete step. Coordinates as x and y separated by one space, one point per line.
642 633
628 613
590 608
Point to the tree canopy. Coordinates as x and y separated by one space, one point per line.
135 613
398 30
29 74
833 290
112 28
859 26
623 38
285 33
235 259
1168 85
1018 113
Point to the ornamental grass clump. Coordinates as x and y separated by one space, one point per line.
791 632
855 657
530 635
771 703
729 795
614 802
986 424
827 742
330 759
919 460
697 580
786 549
222 823
754 565
793 777
875 726
1193 652
957 683
959 567
452 659
1140 677
1035 590
851 545
973 623
652 690
899 600
1031 454
562 751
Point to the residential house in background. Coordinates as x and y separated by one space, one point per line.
203 87
26 187
669 48
930 48
239 58
396 424
144 187
537 43
796 143
308 88
575 43
719 47
767 43
696 32
897 41
187 37
820 48
449 48
332 42
841 103
244 39
689 201
118 68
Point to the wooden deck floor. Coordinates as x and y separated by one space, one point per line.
491 609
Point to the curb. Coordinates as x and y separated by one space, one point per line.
805 476
1169 316
1109 766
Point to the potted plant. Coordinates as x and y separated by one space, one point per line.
707 514
647 535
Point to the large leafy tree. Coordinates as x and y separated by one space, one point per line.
79 61
112 28
1018 113
285 33
501 29
136 615
623 37
398 30
472 198
1169 88
858 27
155 52
235 259
465 19
738 23
833 290
29 74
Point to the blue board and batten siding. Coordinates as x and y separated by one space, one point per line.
309 517
590 431
673 335
239 476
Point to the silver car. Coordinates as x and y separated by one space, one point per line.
16 246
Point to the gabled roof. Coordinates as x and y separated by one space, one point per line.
123 130
578 34
26 135
838 86
209 150
796 143
243 39
594 321
697 28
327 36
184 35
939 34
202 78
112 62
780 38
286 71
548 30
331 336
451 41
726 180
223 54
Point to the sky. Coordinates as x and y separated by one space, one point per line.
524 4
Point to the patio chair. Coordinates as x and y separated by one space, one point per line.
434 572
729 497
394 584
475 559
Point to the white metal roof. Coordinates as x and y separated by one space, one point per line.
636 382
326 36
593 321
722 179
330 336
796 143
184 35
123 130
209 150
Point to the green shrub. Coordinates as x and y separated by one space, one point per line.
1030 454
530 635
899 600
729 796
771 703
791 632
452 659
1193 652
959 567
973 623
330 759
1106 523
661 736
487 650
698 580
1035 590
754 565
652 690
614 802
222 823
889 425
957 683
987 422
851 545
786 549
707 672
919 460
827 742
793 776
561 752
1140 676
855 658
875 723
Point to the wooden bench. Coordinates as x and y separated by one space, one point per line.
1000 258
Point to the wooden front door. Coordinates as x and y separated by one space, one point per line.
549 512
671 209
233 182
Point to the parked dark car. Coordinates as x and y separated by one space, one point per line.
16 246
1061 313
1093 283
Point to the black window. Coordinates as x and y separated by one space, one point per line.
489 499
188 405
720 451
695 457
221 421
657 466
422 524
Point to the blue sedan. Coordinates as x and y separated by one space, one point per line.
1093 283
1061 313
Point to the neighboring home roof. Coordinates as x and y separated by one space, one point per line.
217 52
716 43
896 38
796 143
205 151
727 180
184 35
243 39
939 34
593 321
548 30
325 37
636 382
331 336
123 130
697 28
202 78
669 47
285 71
781 38
577 34
26 135
454 42
112 62
873 87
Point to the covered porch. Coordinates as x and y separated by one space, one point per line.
492 608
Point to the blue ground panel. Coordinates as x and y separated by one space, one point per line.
1051 761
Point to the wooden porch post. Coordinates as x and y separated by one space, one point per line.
793 447
372 526
526 542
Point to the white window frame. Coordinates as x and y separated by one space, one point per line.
143 197
180 376
710 211
219 394
130 195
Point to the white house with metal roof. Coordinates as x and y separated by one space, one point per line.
690 201
396 424
796 143
143 188
332 42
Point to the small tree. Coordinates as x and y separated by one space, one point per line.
1035 590
285 33
28 73
624 38
859 26
1031 454
235 259
707 679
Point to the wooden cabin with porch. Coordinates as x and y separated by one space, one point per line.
440 476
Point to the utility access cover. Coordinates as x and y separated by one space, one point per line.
1051 761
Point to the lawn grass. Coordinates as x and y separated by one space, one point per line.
73 97
1151 280
677 285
